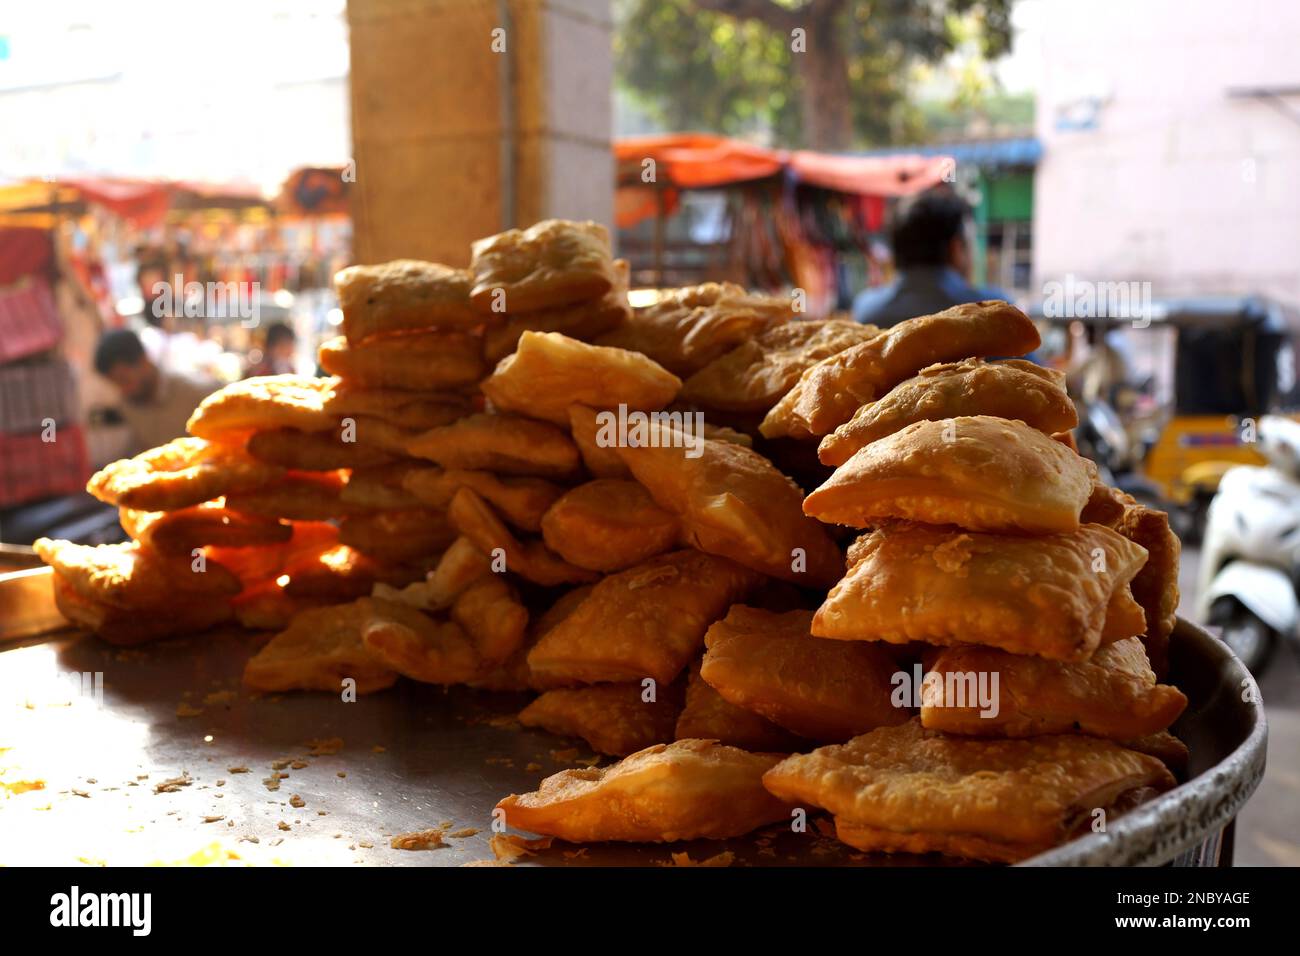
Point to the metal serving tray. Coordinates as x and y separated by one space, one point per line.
146 774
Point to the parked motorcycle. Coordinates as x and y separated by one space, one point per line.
1250 555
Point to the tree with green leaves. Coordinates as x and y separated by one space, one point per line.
822 74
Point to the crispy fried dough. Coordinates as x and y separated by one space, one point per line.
732 501
136 577
383 486
319 650
824 690
1008 389
1046 595
828 393
757 373
578 320
401 296
906 789
265 402
530 559
127 626
686 790
1113 695
506 444
548 372
710 716
520 500
423 361
212 522
314 451
613 719
1155 587
552 263
688 328
980 473
648 621
301 496
488 624
412 411
398 536
181 473
608 525
603 461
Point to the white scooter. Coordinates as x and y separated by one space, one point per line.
1250 555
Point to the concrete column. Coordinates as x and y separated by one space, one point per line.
454 140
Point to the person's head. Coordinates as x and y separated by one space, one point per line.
930 231
280 342
120 358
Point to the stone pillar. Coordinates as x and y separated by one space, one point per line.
455 138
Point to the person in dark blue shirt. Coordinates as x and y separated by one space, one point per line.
933 259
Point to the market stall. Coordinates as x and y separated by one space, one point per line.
766 218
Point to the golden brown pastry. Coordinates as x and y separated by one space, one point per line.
1155 587
132 576
691 789
1114 694
602 460
1008 389
616 719
552 263
520 500
608 525
710 716
506 444
515 674
301 496
487 625
409 411
824 690
979 473
398 536
648 621
263 402
530 559
828 393
334 573
319 650
179 474
130 626
733 502
1105 504
1047 595
401 296
267 562
380 487
909 790
183 530
424 361
548 372
578 320
689 328
1166 748
315 451
754 375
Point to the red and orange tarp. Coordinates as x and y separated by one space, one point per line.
706 160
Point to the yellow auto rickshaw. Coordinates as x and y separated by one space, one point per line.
1198 375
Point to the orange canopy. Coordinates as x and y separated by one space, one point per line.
705 160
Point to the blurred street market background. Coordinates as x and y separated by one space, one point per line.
179 181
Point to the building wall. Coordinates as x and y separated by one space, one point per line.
1151 171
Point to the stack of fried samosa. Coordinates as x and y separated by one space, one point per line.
508 483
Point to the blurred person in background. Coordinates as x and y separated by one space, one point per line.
933 258
156 402
277 354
